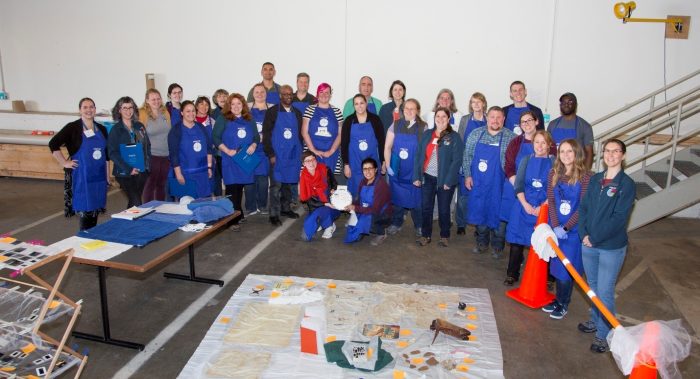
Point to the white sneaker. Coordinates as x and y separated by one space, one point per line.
328 232
253 213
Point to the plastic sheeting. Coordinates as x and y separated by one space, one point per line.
351 305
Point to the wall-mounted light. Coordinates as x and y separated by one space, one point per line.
623 11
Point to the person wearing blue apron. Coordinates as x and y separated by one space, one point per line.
362 137
518 148
282 143
399 152
531 192
474 120
321 128
256 193
512 112
570 125
372 206
483 156
86 169
273 89
175 95
316 183
236 133
191 153
203 106
566 184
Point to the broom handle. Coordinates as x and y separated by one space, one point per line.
584 286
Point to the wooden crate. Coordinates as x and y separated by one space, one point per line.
29 161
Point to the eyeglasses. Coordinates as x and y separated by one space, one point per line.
128 108
616 151
309 160
527 121
567 102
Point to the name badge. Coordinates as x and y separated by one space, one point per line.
89 133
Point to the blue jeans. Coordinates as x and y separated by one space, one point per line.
564 290
429 190
399 212
602 268
461 210
256 193
497 237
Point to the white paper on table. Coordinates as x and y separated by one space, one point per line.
173 209
110 250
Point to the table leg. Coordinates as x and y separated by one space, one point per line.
106 332
192 277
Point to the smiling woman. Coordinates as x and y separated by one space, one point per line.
86 175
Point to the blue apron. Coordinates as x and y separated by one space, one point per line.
513 119
403 192
285 143
209 127
300 106
487 175
559 135
90 177
175 116
362 144
521 224
371 108
237 134
273 97
472 124
364 221
323 130
263 168
193 158
566 200
508 195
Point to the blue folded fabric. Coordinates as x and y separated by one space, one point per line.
137 232
178 220
207 211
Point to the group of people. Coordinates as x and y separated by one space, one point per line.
500 162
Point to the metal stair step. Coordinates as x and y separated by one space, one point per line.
659 177
695 151
644 190
688 168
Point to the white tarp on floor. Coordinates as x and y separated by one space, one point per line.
349 306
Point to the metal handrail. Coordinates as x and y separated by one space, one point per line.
633 123
642 99
663 147
661 125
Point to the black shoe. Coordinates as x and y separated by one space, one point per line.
599 346
509 281
274 220
587 327
290 214
461 231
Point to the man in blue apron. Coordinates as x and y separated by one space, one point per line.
282 144
570 125
366 88
512 112
302 98
273 89
483 165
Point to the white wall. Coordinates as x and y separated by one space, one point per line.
55 52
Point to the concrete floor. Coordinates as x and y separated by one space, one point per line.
659 281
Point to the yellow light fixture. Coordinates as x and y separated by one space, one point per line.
623 11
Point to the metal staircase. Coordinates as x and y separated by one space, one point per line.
663 149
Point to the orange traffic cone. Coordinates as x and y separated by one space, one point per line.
533 287
645 367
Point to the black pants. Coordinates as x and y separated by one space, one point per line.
87 221
133 187
515 260
235 194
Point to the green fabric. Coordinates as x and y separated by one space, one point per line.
335 355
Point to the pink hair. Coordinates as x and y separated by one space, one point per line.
323 87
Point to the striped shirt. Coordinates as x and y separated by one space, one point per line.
553 216
311 109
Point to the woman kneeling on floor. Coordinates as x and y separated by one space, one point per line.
316 184
372 204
